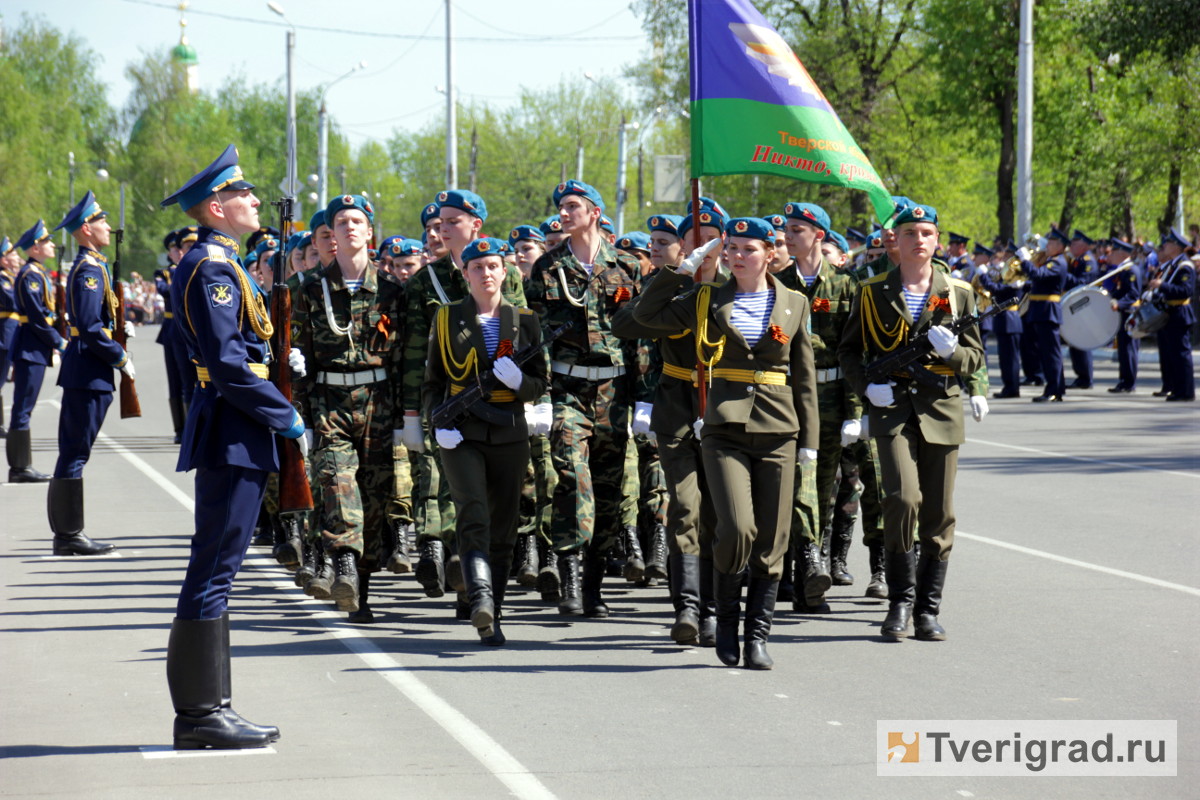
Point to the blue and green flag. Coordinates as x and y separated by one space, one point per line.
755 109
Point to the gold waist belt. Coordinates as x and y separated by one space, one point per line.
681 373
261 370
751 376
498 396
1053 298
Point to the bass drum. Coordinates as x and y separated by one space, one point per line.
1088 318
1146 319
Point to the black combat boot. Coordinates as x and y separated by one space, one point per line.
344 591
568 576
593 577
839 539
477 571
877 588
635 567
289 551
931 578
816 581
264 530
527 569
901 571
454 572
322 581
760 611
19 447
197 676
729 611
431 567
363 614
308 564
64 506
496 639
3 430
547 580
227 688
685 594
708 605
177 417
399 562
656 565
787 582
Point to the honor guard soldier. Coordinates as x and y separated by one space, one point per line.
957 257
762 407
86 375
1081 269
1174 284
481 459
35 347
1125 290
918 427
1046 285
229 438
9 262
181 374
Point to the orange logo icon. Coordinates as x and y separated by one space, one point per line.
903 747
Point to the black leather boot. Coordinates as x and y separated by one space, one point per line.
877 588
288 552
760 611
399 562
931 579
568 575
547 580
363 614
685 593
19 447
708 606
527 569
787 584
816 580
344 590
839 539
197 670
177 417
308 565
593 577
264 530
454 573
656 564
322 581
3 430
431 567
729 610
477 572
64 506
901 571
635 567
227 687
496 639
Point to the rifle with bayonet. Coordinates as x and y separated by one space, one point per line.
130 405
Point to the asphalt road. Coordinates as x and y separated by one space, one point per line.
1072 595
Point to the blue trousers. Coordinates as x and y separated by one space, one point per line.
27 385
1050 351
181 372
1081 363
228 500
1127 357
1175 357
79 422
1008 352
1031 360
4 365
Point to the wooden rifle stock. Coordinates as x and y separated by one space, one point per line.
130 405
60 301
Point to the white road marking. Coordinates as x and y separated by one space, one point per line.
1123 464
164 751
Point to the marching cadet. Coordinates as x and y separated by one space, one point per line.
86 375
552 229
322 239
1046 284
405 256
829 296
834 248
181 375
762 406
1175 281
35 347
585 281
480 458
1007 327
528 244
1124 288
9 262
854 239
431 223
229 439
918 428
1031 358
782 256
608 230
1082 269
348 325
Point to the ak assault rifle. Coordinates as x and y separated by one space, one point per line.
455 408
294 492
903 360
130 405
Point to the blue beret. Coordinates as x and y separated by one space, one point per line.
1121 244
916 213
981 250
293 242
345 203
428 212
665 223
222 175
839 240
255 238
487 246
856 235
634 240
711 205
404 247
317 220
900 203
580 188
958 238
778 221
876 239
6 247
606 224
811 213
265 244
1175 236
305 239
1080 236
34 235
462 199
708 218
525 232
552 224
751 228
387 241
1055 233
85 210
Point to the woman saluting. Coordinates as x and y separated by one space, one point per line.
752 335
484 461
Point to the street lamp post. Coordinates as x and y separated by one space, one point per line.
323 139
291 98
451 121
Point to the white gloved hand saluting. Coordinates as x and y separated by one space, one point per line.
880 394
944 341
447 438
851 430
508 373
693 261
296 362
412 434
979 407
130 330
641 418
127 370
538 418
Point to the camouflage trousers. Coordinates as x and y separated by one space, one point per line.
400 507
432 508
813 508
588 447
691 518
537 492
644 490
859 489
352 457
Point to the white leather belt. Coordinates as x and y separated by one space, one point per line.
360 378
827 375
589 373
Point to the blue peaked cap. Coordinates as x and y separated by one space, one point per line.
222 175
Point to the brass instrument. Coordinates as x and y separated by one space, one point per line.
983 296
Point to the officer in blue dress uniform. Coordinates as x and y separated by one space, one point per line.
1174 284
33 349
957 257
181 375
1007 327
1082 269
229 439
1046 286
8 314
86 376
1125 290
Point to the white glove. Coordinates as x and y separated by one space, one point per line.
130 330
880 394
128 370
308 438
414 437
866 428
1023 253
304 443
508 373
296 362
641 418
698 425
943 340
55 360
693 262
851 431
447 438
807 455
539 418
979 407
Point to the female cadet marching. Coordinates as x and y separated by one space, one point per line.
483 461
762 405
